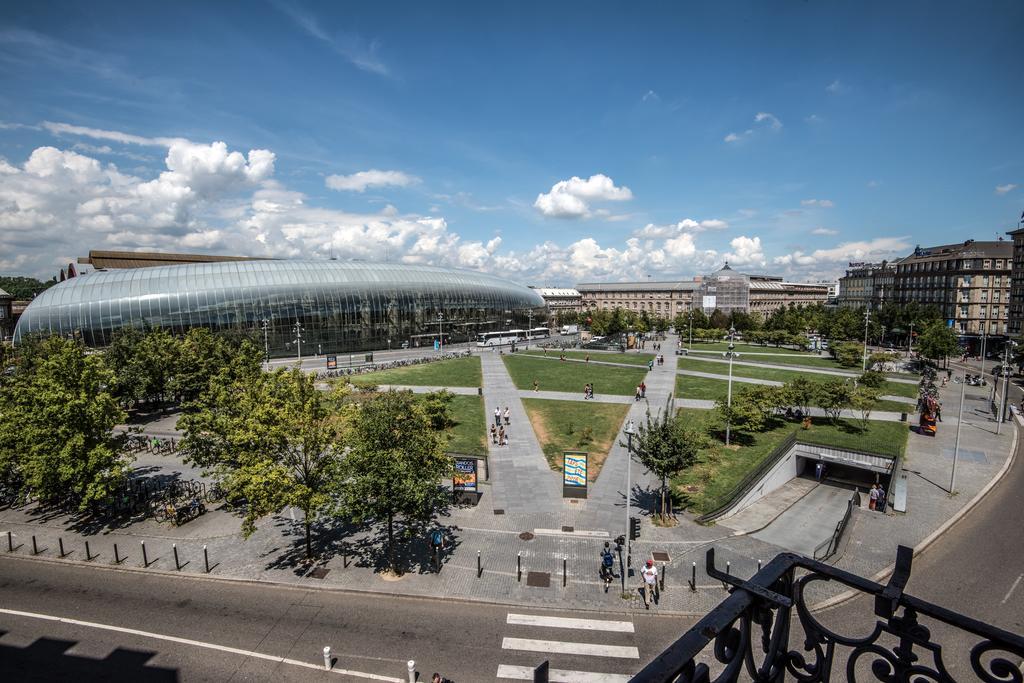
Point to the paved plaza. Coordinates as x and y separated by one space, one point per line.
533 547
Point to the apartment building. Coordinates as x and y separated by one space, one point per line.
560 299
969 282
664 299
1016 321
768 294
867 284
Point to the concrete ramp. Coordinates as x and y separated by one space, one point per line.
809 522
763 512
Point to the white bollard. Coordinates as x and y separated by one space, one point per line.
327 658
412 671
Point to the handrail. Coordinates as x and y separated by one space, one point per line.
831 546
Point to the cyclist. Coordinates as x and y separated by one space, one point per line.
436 544
649 587
607 566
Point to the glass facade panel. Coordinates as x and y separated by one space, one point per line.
341 306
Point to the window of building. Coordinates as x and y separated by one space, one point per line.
987 264
967 264
982 312
984 280
963 311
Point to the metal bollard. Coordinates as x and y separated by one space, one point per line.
177 566
88 554
664 566
117 558
327 658
519 565
759 565
565 578
10 543
728 572
145 558
412 671
479 566
206 559
60 544
35 550
693 581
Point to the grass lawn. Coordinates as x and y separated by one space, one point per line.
745 348
575 426
469 435
456 372
613 357
712 389
890 388
553 375
750 355
706 485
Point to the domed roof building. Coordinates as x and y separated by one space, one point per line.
340 306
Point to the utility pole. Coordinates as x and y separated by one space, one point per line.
983 351
630 431
298 340
266 344
691 330
1006 380
440 333
728 400
910 348
956 444
864 360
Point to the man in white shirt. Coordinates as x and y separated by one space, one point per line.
649 588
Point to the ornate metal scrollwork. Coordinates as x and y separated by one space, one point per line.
751 631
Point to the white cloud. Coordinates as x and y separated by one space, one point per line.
359 182
352 47
813 118
1003 189
746 251
687 225
111 135
874 183
824 231
766 121
571 198
876 249
823 203
651 96
773 122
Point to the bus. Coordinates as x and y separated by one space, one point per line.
539 333
500 338
428 340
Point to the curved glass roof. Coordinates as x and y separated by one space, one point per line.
181 296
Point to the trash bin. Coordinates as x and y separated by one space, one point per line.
479 391
903 417
369 358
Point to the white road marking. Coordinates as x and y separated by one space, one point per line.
525 673
196 643
1012 588
564 622
560 647
580 533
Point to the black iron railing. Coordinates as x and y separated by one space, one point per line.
756 636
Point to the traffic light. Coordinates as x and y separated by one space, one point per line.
634 528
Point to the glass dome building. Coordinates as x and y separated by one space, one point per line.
341 306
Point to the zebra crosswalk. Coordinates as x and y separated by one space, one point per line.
586 645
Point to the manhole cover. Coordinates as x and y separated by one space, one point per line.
538 579
499 512
660 556
526 536
568 529
320 573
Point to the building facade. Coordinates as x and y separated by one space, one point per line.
339 306
664 299
6 315
969 282
725 290
560 299
768 295
866 285
1015 324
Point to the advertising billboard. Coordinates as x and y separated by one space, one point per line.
574 474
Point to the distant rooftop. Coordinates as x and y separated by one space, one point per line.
675 285
970 248
145 259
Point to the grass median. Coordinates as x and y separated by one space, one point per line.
454 372
554 375
719 470
469 433
605 356
708 389
575 426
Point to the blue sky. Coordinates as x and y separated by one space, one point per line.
550 143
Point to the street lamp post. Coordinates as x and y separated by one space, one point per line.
440 333
910 347
1006 381
630 431
690 347
983 351
266 344
529 327
864 360
298 340
956 444
728 400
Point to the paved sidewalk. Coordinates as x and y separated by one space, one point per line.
521 478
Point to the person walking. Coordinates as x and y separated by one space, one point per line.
650 364
508 420
436 545
643 389
873 497
649 587
636 396
536 386
588 359
880 503
494 435
817 471
501 436
497 417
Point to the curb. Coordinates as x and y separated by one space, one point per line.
943 528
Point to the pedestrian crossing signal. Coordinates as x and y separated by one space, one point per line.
634 528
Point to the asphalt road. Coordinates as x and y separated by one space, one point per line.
368 634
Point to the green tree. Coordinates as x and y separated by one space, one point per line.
719 319
864 399
665 446
56 425
802 393
744 415
396 464
271 440
22 288
849 354
937 342
833 397
438 407
202 355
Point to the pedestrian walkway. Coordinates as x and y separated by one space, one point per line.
521 479
569 396
607 649
417 389
773 383
795 368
